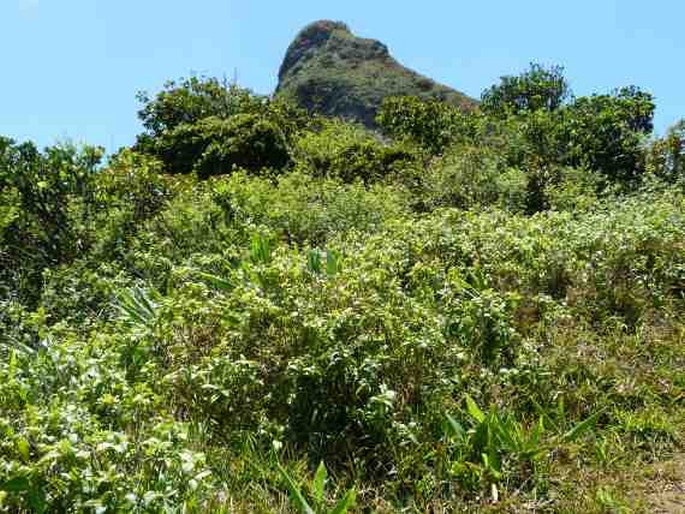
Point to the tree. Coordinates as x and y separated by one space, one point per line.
349 152
606 132
432 124
208 127
45 200
539 88
666 156
191 100
247 141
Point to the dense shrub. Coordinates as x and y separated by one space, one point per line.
192 100
245 141
666 156
344 151
606 132
431 124
472 314
534 123
210 128
49 198
469 177
213 146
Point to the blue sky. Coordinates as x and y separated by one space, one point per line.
71 68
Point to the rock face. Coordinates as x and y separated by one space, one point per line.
329 70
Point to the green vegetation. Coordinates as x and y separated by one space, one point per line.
211 128
259 310
330 71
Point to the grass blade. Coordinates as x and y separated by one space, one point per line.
582 427
295 493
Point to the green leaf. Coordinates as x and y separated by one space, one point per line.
473 410
332 263
509 432
345 503
455 428
216 282
319 482
24 449
491 465
136 306
12 369
314 261
543 414
539 429
37 500
15 485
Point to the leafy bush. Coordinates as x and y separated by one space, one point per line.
301 208
53 192
665 156
344 151
468 177
107 445
606 132
211 128
431 124
191 101
546 126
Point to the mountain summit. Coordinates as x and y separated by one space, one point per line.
329 70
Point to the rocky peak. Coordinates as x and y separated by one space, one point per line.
308 40
328 69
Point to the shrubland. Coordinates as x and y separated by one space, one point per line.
258 309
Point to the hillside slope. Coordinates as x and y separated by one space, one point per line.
329 70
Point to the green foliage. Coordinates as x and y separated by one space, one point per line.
318 489
572 189
606 132
495 448
538 88
431 124
48 197
483 312
245 141
666 156
468 177
301 208
192 100
128 191
210 128
347 152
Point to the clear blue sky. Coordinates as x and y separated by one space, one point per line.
71 68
